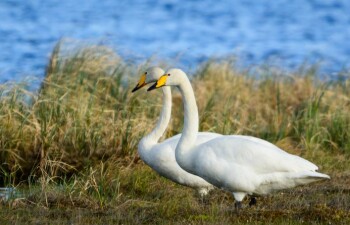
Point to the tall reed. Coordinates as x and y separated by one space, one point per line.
85 114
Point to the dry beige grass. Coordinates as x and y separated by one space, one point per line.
72 147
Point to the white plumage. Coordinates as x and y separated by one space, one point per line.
161 156
240 164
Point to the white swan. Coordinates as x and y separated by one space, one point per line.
240 164
161 156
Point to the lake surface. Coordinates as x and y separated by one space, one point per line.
185 32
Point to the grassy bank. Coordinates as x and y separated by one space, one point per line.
71 147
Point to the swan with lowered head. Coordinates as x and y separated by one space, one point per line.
161 156
240 164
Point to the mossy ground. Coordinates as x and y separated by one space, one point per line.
154 200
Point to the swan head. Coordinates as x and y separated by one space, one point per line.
171 77
150 75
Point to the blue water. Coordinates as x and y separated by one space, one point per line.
185 32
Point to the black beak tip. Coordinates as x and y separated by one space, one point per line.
136 88
133 90
152 87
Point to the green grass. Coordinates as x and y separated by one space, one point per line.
71 147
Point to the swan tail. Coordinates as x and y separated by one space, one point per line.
306 177
310 176
280 181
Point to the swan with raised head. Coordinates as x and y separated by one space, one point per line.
243 165
161 156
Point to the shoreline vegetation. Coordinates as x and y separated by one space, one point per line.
70 149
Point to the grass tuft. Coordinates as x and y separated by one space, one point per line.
70 148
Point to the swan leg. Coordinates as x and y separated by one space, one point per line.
238 199
203 193
252 201
238 205
205 200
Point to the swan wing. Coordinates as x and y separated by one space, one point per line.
300 163
250 165
258 155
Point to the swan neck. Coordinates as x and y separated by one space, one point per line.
163 120
190 129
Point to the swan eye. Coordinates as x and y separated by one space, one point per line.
168 74
145 73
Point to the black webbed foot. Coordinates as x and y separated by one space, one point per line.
252 201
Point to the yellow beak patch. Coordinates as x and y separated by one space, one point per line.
142 80
161 81
141 83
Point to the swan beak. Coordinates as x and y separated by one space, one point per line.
160 83
141 83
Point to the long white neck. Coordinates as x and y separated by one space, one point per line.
190 129
162 123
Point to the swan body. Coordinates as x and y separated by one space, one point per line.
240 164
161 156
